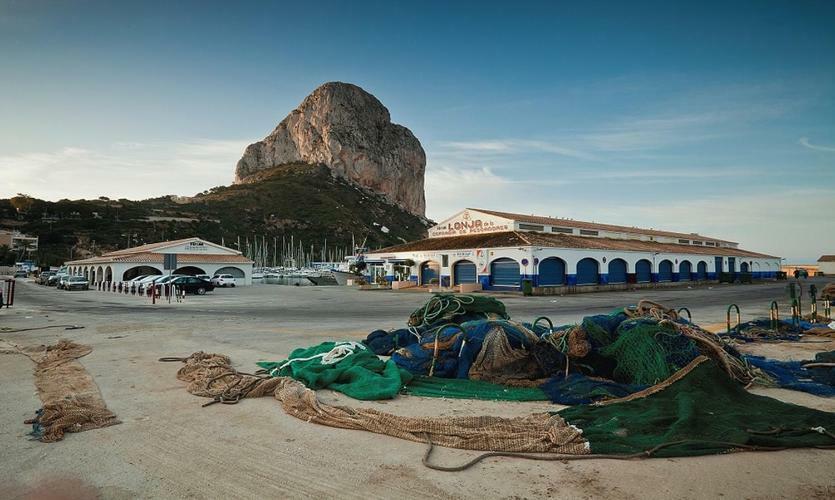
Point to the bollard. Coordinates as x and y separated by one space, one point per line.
774 315
795 313
813 293
827 311
738 318
689 316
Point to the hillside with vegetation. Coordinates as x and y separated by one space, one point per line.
301 203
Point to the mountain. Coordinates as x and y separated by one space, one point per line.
349 131
298 200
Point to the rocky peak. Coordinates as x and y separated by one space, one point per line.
348 130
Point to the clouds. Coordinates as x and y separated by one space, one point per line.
804 141
125 169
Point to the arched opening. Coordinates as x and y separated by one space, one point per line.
743 267
588 272
684 270
643 271
552 272
189 270
617 271
504 272
701 270
464 271
100 274
133 272
665 271
234 271
429 271
92 275
108 274
87 273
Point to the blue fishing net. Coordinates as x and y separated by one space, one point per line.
577 389
793 375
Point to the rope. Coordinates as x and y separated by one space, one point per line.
340 351
65 327
639 455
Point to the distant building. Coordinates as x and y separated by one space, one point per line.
826 265
498 250
18 242
194 256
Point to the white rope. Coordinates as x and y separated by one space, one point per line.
340 351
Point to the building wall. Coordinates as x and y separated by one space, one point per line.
760 268
827 268
91 271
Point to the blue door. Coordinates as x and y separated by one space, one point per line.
743 267
551 272
684 270
429 271
665 271
701 271
643 271
464 272
504 272
617 271
719 267
587 272
731 264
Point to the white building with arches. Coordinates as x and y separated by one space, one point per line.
498 250
194 256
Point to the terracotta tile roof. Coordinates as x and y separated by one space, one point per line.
519 239
552 221
149 246
827 258
150 257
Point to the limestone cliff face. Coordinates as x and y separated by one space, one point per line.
348 130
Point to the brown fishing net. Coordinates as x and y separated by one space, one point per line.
211 375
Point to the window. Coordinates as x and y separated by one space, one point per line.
445 260
531 227
696 242
586 232
710 244
684 242
566 230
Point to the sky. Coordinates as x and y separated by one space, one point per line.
709 117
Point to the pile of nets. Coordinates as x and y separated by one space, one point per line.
703 412
815 376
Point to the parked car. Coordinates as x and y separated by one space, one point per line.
203 276
62 280
193 284
76 283
224 280
43 278
145 282
21 274
55 279
167 279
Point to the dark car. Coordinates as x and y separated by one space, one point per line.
43 278
192 284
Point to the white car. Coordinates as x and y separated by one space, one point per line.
224 280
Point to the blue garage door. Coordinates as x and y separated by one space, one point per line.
731 264
643 271
428 272
617 271
552 272
464 272
504 272
719 267
743 267
684 270
587 272
701 271
665 271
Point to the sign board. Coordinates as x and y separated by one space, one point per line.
169 261
470 223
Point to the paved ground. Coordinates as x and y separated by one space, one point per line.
170 447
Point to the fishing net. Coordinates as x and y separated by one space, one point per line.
762 330
383 343
815 376
452 308
703 412
457 388
347 367
577 389
71 399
